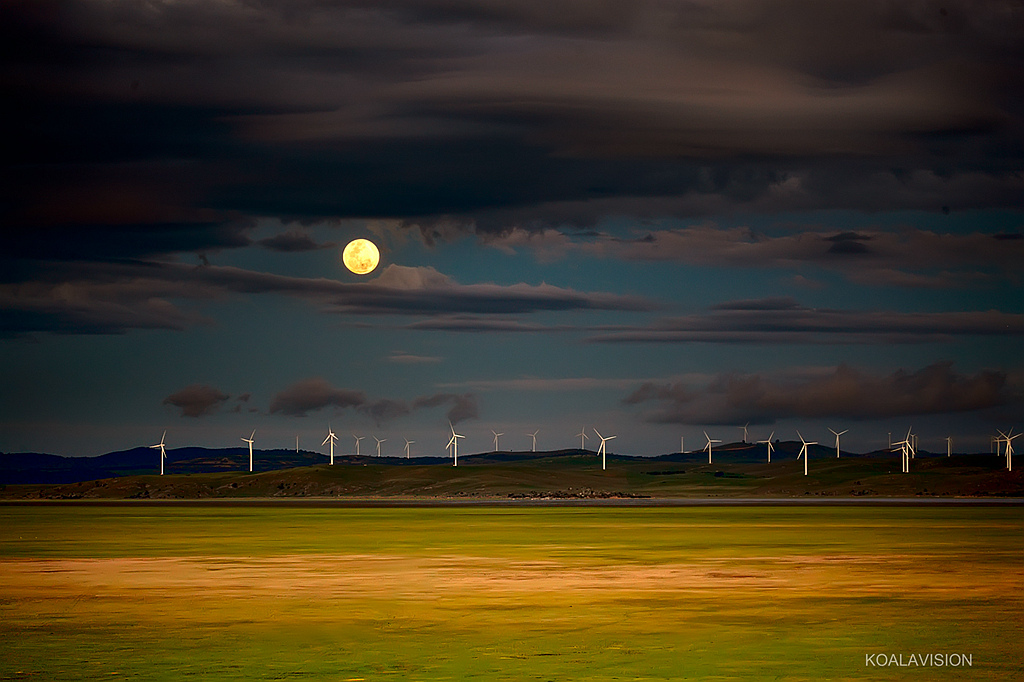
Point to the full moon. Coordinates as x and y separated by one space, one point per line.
361 256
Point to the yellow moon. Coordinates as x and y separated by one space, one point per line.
361 256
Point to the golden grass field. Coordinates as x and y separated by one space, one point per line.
274 592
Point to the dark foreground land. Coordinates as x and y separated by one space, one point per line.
737 472
269 592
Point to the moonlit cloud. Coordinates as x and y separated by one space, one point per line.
89 298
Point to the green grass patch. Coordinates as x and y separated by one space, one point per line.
162 593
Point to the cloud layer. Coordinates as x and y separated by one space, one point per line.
192 117
845 393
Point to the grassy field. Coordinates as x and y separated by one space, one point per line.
264 592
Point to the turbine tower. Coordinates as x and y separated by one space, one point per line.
1008 439
682 447
163 452
333 439
358 438
407 444
949 446
803 450
708 446
744 427
906 449
454 443
602 450
583 438
837 440
379 441
496 439
534 437
249 441
769 444
296 445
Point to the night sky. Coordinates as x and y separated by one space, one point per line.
653 218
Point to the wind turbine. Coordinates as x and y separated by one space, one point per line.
682 447
534 437
1009 449
949 446
163 452
708 446
837 440
333 439
379 441
496 439
358 438
769 444
906 448
744 427
602 450
1008 439
296 445
249 441
454 443
803 450
583 438
407 444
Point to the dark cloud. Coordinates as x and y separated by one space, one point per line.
293 240
784 320
191 116
314 394
197 400
845 393
463 405
906 257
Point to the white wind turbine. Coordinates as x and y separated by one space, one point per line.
358 438
333 439
534 437
837 440
496 439
296 445
906 448
602 450
379 441
949 446
744 427
163 452
407 444
803 450
454 443
249 441
769 444
1008 439
583 438
682 446
708 446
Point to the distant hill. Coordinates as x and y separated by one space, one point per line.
737 470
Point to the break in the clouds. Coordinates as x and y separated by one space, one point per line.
846 393
113 298
190 115
197 400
